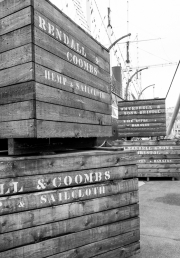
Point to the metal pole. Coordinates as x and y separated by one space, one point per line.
175 113
144 90
114 43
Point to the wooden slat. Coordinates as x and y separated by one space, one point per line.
40 233
56 64
159 161
141 107
60 49
56 16
148 143
158 165
152 148
159 174
47 111
15 21
134 120
16 38
62 82
13 129
160 170
142 134
45 164
146 102
55 96
136 126
70 241
147 113
60 180
131 117
28 219
160 156
17 74
50 129
17 111
16 56
17 93
10 6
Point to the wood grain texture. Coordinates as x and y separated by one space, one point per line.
45 164
16 38
146 102
159 174
41 233
148 143
32 218
8 7
16 56
58 80
50 112
15 21
17 111
56 16
142 134
56 64
21 128
59 97
17 93
17 74
70 241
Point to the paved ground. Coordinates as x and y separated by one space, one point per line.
160 219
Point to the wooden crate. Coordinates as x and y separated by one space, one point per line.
55 78
81 204
156 158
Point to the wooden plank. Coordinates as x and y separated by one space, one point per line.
128 118
141 102
160 156
17 74
148 113
158 165
50 129
45 164
142 134
13 129
148 143
158 152
160 170
153 148
137 121
17 111
28 219
46 198
60 228
72 42
16 56
51 181
8 7
53 42
136 126
15 21
55 15
17 93
47 111
58 65
159 174
56 96
143 130
24 146
60 81
159 161
122 252
70 241
141 107
16 38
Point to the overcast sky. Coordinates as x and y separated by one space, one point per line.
155 23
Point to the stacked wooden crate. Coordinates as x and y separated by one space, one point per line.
54 77
75 204
156 158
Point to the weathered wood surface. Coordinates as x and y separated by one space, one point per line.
55 15
55 31
51 181
147 143
17 56
8 7
17 74
21 129
70 241
17 93
159 174
63 98
122 252
57 80
18 203
53 62
47 111
16 38
32 218
141 134
17 111
15 21
41 233
146 102
45 164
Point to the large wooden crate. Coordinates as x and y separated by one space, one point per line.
54 77
156 158
82 204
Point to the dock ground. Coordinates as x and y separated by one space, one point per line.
159 219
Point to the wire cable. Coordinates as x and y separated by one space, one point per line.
172 79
